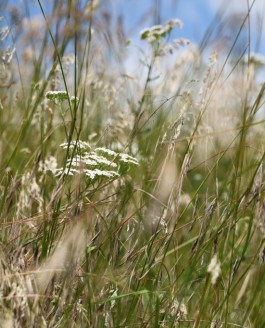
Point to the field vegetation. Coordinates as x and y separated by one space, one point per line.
131 171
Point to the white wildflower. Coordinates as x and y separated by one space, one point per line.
155 32
80 160
144 32
76 161
106 151
93 163
214 269
155 28
57 95
92 174
74 99
101 160
175 22
89 161
128 159
78 144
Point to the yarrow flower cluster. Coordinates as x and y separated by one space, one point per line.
74 99
60 96
154 33
57 95
101 162
78 144
125 158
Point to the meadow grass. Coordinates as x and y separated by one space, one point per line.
128 199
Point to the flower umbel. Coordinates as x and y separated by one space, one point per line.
101 163
57 95
154 33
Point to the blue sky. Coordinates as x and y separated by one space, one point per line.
196 15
